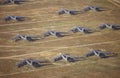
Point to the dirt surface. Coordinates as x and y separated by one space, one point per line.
42 17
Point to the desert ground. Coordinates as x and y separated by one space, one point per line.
42 17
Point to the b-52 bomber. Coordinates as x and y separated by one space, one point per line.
19 37
15 18
65 57
99 53
94 8
12 2
109 26
66 11
85 9
30 62
54 33
80 29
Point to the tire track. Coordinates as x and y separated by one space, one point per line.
54 40
70 38
84 45
36 28
32 22
26 10
118 1
58 65
114 2
27 54
55 66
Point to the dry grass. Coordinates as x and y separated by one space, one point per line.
42 17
